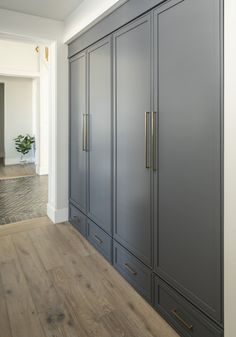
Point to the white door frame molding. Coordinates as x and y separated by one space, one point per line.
55 207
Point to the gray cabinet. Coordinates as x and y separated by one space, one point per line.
132 105
91 134
100 135
134 271
146 156
100 240
78 220
78 162
188 199
183 316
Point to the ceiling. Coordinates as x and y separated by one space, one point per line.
53 9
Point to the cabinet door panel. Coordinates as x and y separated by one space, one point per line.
100 145
77 109
188 92
132 95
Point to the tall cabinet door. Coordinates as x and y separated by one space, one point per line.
188 200
77 131
132 105
100 135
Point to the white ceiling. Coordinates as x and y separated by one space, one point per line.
53 9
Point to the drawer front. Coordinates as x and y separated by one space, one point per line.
185 318
134 271
100 240
78 220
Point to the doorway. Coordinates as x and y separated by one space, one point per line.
24 119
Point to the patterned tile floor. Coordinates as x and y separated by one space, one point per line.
23 198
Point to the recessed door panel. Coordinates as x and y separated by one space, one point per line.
188 101
132 98
100 135
77 129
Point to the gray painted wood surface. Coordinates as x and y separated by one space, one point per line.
77 109
183 198
187 97
132 87
127 12
100 135
184 317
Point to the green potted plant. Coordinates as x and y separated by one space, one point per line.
24 144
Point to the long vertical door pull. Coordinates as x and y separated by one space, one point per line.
154 140
85 132
147 154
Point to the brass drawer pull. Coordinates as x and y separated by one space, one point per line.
179 318
97 239
133 272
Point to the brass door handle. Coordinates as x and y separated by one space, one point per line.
147 155
133 272
97 239
85 132
179 318
154 140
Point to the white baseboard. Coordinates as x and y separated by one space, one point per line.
15 161
57 215
41 170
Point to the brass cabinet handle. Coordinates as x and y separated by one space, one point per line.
147 157
133 272
97 239
154 140
179 318
85 132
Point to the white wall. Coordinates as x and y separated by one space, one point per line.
17 115
1 120
22 26
87 12
18 58
230 169
43 114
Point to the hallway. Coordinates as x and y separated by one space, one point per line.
54 284
16 171
23 198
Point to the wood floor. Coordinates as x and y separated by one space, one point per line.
16 171
54 284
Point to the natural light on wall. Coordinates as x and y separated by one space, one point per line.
85 14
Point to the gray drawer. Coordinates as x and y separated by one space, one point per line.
134 271
186 319
78 220
100 240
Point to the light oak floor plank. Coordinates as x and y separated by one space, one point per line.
54 284
23 317
24 225
5 330
16 171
